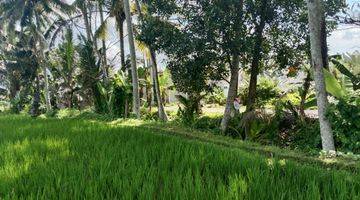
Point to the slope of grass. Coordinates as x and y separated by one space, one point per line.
80 159
344 162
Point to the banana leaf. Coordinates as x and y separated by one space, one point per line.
333 86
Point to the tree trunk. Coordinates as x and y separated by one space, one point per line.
42 62
159 100
134 73
120 23
303 95
84 11
46 89
126 111
160 103
34 111
316 22
120 18
71 95
148 84
324 47
255 65
104 52
232 93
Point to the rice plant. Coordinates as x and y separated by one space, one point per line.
80 159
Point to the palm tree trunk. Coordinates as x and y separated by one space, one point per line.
120 18
84 11
42 62
134 73
46 89
120 23
316 22
160 103
232 93
104 52
34 111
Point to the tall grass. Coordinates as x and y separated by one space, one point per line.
79 159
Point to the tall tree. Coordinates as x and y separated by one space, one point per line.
21 68
134 75
116 8
154 71
40 46
281 35
83 6
232 93
203 44
256 58
34 15
64 66
103 26
117 11
316 22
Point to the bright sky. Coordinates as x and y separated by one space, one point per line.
346 38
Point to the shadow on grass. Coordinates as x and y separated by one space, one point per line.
93 159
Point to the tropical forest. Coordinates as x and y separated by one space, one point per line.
180 99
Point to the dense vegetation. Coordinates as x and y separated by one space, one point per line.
209 82
94 160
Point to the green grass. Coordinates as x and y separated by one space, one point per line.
82 159
345 162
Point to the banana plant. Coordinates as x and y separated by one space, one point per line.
333 86
348 74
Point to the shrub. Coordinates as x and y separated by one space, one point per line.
345 119
307 136
190 108
153 115
267 91
217 96
207 123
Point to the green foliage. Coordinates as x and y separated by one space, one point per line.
89 75
348 67
306 136
206 123
267 92
64 68
21 69
190 108
16 104
97 160
345 120
122 92
333 86
113 97
67 113
216 96
194 59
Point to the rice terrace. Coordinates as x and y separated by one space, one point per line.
178 99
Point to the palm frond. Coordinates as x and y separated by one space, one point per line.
101 32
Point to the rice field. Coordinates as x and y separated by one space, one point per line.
82 159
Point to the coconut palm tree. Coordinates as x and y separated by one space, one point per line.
116 10
103 42
134 75
154 70
65 66
33 15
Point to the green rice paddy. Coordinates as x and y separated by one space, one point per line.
82 159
